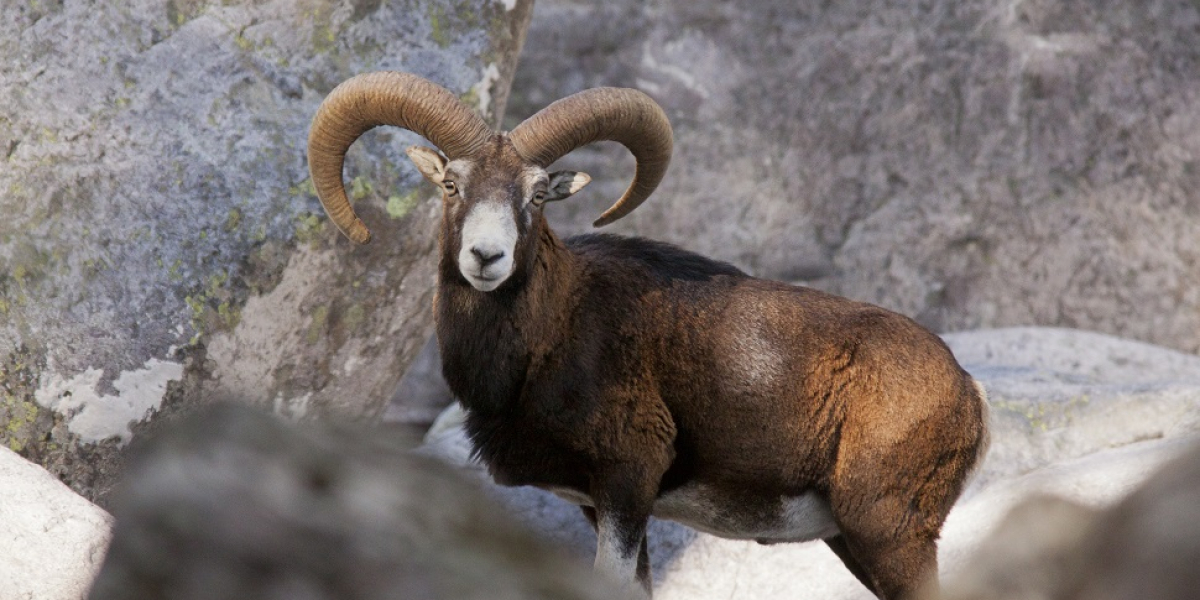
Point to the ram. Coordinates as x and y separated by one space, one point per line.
636 379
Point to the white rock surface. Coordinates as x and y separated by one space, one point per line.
1058 394
52 541
1082 415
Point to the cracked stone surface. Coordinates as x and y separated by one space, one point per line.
162 243
972 164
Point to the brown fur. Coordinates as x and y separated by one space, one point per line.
623 368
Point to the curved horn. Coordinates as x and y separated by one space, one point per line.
383 98
617 114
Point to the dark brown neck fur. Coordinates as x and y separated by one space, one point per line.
490 340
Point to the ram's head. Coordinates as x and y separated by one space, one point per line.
494 184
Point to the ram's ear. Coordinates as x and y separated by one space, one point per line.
565 183
429 162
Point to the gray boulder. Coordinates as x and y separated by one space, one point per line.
423 393
53 540
161 241
971 163
1060 394
235 503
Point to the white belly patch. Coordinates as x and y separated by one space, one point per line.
791 519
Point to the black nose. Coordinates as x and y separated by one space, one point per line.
487 256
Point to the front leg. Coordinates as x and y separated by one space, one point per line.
643 565
623 501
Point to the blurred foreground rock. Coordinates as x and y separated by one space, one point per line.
1146 547
236 504
1081 415
52 541
971 163
161 241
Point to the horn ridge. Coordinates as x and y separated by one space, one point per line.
623 115
383 98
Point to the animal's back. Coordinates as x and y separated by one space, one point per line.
655 258
730 348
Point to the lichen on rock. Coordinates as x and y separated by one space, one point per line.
156 184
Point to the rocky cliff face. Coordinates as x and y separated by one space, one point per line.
973 164
161 240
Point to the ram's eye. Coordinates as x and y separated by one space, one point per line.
539 197
450 188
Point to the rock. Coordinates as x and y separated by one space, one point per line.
1148 545
973 164
53 541
1025 556
1045 440
1058 394
1145 546
234 503
423 394
162 243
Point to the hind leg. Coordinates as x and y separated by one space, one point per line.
889 525
892 487
841 548
643 563
892 568
890 531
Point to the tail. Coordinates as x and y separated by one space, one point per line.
985 441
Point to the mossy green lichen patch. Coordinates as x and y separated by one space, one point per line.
233 219
27 273
1044 415
304 188
437 26
214 307
182 11
360 188
320 317
324 36
399 206
243 43
20 415
470 97
354 316
309 227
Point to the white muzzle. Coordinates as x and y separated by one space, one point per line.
489 238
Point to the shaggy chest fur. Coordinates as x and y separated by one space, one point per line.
521 452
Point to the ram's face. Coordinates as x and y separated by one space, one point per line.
492 205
